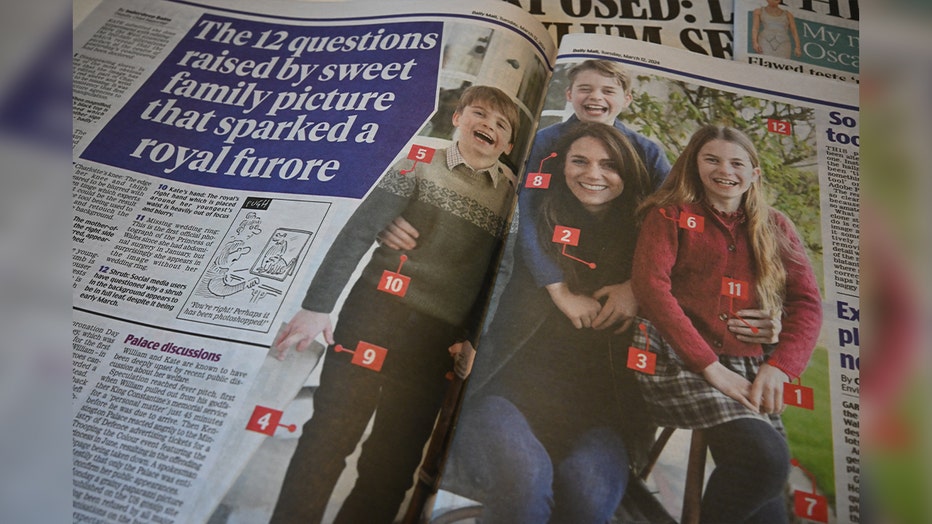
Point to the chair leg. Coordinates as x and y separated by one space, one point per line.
654 453
695 478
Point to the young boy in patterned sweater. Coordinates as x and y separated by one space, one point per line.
459 202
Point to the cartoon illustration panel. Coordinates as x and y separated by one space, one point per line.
254 265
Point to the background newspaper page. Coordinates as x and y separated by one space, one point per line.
205 196
829 40
701 27
807 131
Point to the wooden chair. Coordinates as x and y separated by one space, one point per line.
695 471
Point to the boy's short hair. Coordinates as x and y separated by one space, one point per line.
496 99
605 68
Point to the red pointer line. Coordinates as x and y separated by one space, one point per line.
541 168
807 472
731 309
406 171
401 262
664 213
643 328
591 265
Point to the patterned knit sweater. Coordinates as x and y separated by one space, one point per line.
460 214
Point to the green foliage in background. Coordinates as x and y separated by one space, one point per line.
809 432
670 111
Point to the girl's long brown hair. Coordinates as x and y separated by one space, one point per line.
768 241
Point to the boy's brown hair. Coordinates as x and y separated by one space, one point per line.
604 68
497 100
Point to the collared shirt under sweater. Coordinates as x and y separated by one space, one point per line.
460 214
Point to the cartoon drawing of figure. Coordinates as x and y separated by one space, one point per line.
250 223
273 260
216 280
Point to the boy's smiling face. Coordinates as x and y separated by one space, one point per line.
484 134
596 97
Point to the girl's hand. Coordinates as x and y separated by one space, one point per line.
620 306
767 389
302 330
767 324
731 384
580 309
757 48
798 51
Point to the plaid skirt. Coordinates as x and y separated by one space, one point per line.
677 397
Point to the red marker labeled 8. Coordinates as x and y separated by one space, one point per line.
537 181
566 235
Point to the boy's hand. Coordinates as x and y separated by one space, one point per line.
302 330
580 309
768 326
399 235
620 306
768 388
731 384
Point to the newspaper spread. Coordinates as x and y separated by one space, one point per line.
814 38
806 132
219 148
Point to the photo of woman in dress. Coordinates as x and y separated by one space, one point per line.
772 29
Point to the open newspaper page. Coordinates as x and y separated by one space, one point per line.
220 149
701 27
813 38
570 409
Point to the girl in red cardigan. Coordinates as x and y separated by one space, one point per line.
709 247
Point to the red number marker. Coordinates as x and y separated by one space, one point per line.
537 180
640 360
266 420
566 235
781 127
734 288
692 222
393 282
688 221
366 355
418 154
798 395
810 506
